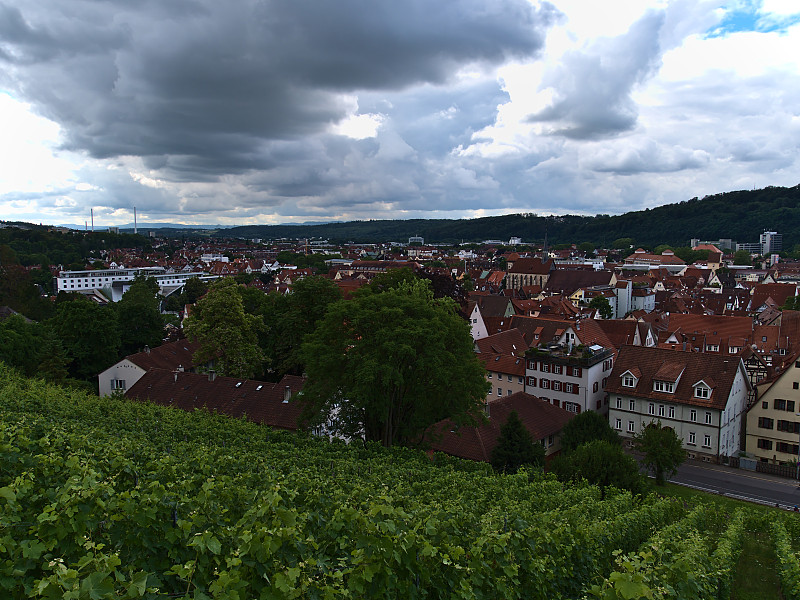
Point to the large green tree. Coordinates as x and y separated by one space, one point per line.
662 449
602 304
515 447
139 316
32 348
89 334
387 366
290 317
601 463
586 427
228 335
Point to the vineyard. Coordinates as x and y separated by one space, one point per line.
105 498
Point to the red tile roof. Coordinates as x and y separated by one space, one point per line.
258 401
167 356
540 418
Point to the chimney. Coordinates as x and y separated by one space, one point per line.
287 394
146 349
212 375
180 368
486 409
175 375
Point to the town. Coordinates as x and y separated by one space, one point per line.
707 348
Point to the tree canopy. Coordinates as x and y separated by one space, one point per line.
602 305
515 447
662 449
386 366
139 316
600 463
227 334
589 426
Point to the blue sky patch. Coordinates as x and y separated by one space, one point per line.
747 16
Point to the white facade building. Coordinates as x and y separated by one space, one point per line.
119 280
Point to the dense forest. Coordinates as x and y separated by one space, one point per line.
740 215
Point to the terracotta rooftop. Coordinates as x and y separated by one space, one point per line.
167 356
540 418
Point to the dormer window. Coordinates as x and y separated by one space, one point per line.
628 380
702 391
667 387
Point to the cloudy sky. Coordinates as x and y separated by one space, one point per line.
275 111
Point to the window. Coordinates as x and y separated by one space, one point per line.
619 402
765 404
707 441
545 368
544 384
693 415
632 405
568 387
557 369
532 381
628 381
790 405
531 365
671 412
702 392
605 381
508 392
550 440
631 426
764 444
661 410
795 385
788 426
787 447
489 375
499 391
651 408
765 423
618 424
779 404
692 439
117 384
556 386
595 386
520 379
664 386
708 418
510 378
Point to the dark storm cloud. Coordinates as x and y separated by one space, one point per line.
197 88
592 88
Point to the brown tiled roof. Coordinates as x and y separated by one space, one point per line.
531 266
779 292
259 401
508 342
503 363
567 281
540 418
491 306
167 356
695 366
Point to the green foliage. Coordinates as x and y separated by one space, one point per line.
601 463
791 303
587 427
388 365
290 318
228 335
742 258
89 333
192 291
788 559
662 448
624 243
602 304
515 447
139 316
107 498
32 348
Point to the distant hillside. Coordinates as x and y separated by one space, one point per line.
740 215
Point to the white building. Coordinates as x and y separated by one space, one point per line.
702 397
119 280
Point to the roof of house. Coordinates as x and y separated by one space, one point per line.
509 342
567 281
258 401
531 266
503 363
540 418
166 356
779 292
665 365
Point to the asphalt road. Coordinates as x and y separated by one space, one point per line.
738 483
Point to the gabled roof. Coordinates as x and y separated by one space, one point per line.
540 418
166 356
653 362
531 266
258 401
508 342
503 363
567 281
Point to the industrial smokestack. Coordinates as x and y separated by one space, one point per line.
92 220
134 220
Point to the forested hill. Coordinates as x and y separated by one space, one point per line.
740 215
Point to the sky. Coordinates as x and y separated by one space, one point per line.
292 111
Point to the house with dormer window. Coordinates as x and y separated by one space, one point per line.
703 397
